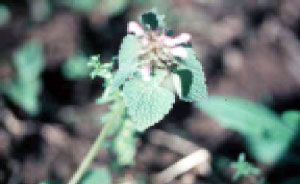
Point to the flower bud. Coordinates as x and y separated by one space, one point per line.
136 28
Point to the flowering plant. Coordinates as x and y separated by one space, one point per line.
153 67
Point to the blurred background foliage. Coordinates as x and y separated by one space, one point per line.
48 117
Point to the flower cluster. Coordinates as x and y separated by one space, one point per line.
159 50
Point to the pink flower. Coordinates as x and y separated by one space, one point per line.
157 46
136 28
179 52
172 42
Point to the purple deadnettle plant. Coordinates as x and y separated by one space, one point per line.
153 68
156 44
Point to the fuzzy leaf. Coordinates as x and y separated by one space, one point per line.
147 103
191 61
121 75
193 85
129 51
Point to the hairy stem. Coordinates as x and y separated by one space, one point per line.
88 159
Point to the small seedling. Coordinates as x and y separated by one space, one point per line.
243 168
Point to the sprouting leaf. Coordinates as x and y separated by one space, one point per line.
97 176
153 19
193 85
124 144
266 136
99 69
129 51
147 103
243 168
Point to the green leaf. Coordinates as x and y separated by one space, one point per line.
243 168
103 70
191 61
25 88
147 103
152 19
5 15
122 75
129 51
124 144
85 6
193 85
241 115
40 10
24 95
292 118
76 67
97 176
266 136
29 60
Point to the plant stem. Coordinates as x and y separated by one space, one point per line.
85 164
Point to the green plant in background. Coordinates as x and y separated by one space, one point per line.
25 87
107 7
153 67
267 135
94 176
4 15
40 10
76 67
99 175
243 168
82 6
